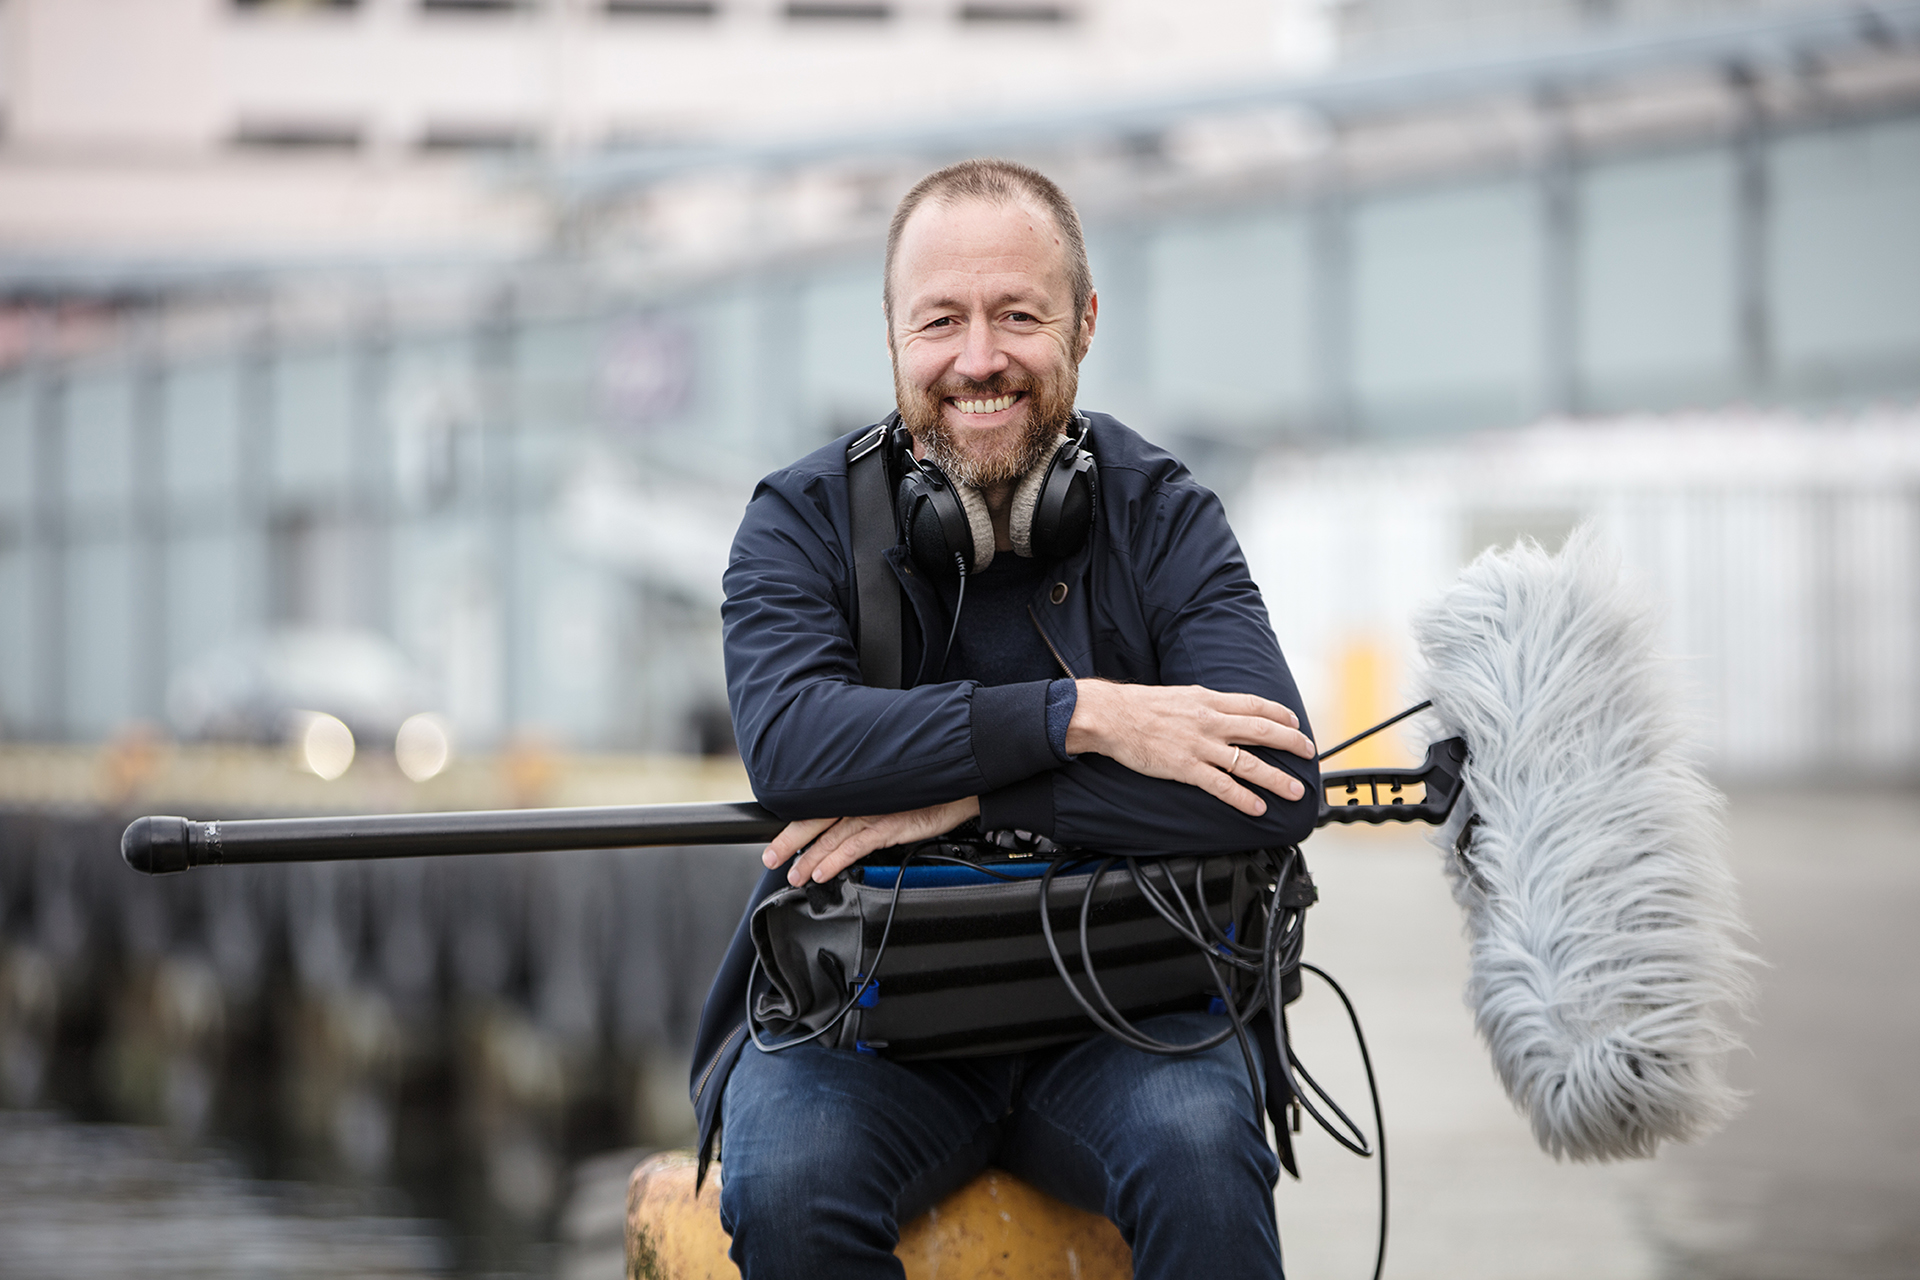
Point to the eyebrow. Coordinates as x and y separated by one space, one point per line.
954 304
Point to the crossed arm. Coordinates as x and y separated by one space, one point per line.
1187 733
1170 763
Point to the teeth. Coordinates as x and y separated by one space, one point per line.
984 406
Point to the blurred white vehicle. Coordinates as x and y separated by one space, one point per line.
270 687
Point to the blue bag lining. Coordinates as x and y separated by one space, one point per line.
944 874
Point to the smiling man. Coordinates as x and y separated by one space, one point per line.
1121 692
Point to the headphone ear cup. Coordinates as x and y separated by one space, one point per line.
980 523
937 524
1063 514
1026 501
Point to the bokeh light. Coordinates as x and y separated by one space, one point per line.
422 747
322 744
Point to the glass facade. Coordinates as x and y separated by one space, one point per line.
534 502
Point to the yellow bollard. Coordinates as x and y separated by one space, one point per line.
1365 681
994 1228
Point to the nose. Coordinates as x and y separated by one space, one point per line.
981 357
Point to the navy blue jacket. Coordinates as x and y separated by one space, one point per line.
1160 594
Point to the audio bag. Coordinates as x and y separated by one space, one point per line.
967 968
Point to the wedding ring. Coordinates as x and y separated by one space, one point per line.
1234 763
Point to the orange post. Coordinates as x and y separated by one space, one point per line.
994 1228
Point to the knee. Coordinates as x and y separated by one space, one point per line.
806 1209
778 1185
1204 1190
760 1202
1194 1149
1201 1135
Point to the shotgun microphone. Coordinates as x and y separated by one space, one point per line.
1586 853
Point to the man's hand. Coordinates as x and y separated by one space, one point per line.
833 844
1191 734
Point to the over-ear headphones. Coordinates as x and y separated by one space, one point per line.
946 524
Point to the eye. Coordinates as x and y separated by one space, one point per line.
1021 317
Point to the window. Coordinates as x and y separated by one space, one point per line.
823 11
662 8
297 135
477 138
1025 13
474 6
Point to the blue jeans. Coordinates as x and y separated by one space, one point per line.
826 1151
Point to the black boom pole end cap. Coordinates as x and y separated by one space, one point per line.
157 846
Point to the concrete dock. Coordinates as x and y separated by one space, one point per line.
1818 1179
1820 1175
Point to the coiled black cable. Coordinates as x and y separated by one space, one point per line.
1283 939
1379 1121
1118 1026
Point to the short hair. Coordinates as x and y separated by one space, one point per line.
997 182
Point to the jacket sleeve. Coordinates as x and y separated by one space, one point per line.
815 740
1208 626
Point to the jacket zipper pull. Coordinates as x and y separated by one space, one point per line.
1048 641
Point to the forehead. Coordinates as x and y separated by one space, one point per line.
972 245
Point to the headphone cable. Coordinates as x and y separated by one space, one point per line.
960 563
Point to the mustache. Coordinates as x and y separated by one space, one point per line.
999 384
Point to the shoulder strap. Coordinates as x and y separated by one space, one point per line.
876 593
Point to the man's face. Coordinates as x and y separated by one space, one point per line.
986 348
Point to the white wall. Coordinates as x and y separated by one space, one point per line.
1782 551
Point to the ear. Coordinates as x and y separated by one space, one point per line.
1086 325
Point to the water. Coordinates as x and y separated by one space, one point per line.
107 1200
439 1067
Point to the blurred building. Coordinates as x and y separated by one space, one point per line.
1384 28
262 130
516 445
1779 553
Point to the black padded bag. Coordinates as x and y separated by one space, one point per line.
967 970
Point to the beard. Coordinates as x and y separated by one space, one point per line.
1009 454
